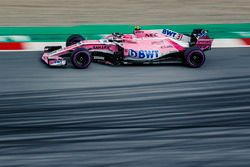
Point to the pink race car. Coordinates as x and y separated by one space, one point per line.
141 47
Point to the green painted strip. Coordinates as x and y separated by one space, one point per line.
56 34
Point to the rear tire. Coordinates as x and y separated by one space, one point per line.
73 39
194 57
81 58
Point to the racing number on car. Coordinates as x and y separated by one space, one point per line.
179 36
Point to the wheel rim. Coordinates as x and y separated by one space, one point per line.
81 59
196 59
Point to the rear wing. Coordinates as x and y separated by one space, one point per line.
198 38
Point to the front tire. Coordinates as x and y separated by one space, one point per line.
73 39
81 58
194 57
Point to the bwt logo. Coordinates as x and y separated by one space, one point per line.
171 33
149 54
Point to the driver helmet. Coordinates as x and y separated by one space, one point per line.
137 27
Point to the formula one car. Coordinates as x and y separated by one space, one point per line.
141 47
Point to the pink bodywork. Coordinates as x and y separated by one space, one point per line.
142 45
150 44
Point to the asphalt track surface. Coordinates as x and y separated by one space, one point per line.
166 115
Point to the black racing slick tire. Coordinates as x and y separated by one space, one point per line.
81 58
194 57
73 39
